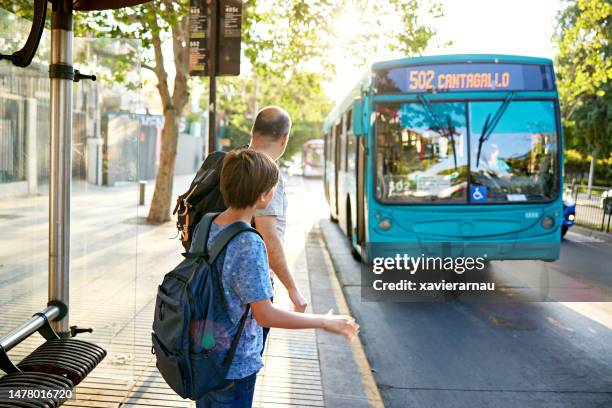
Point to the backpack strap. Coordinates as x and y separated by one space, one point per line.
227 361
225 237
201 235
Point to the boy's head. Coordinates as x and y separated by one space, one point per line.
248 179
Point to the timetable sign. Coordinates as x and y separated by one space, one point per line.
465 77
228 21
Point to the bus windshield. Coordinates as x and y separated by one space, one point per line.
423 148
517 160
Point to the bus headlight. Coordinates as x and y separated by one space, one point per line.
547 222
384 224
571 217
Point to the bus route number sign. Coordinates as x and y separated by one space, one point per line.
465 77
429 79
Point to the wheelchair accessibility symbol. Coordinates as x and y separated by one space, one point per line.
478 193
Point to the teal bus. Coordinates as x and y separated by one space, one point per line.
449 149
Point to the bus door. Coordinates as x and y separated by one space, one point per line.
360 189
337 162
326 164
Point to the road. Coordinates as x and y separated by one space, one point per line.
458 354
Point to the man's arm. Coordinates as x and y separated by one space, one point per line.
266 225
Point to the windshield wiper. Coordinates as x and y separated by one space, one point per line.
489 125
434 119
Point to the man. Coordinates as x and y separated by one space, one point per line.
496 165
270 134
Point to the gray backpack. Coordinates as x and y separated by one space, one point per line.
183 338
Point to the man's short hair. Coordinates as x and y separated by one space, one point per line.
245 176
273 122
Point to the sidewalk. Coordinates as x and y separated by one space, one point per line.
590 232
113 290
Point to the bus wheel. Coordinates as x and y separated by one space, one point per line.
355 253
349 222
453 295
349 232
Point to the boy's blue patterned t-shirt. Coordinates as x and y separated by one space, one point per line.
245 279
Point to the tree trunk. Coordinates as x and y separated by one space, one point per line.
162 197
173 107
591 173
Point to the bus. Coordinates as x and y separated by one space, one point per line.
451 149
312 158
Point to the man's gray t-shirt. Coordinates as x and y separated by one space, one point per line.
277 208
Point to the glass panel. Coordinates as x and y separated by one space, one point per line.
515 160
24 152
110 134
421 152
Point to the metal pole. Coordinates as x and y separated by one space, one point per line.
141 195
17 335
60 71
212 75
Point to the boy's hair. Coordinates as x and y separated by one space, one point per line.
245 176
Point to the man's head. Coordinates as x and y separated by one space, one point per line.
493 152
271 130
248 179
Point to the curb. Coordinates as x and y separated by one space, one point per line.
365 371
591 233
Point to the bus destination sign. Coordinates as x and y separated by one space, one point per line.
465 77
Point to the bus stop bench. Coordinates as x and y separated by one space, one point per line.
50 372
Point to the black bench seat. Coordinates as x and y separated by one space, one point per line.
57 365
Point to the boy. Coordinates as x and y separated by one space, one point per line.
248 180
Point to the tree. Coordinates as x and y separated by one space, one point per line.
281 39
153 23
584 70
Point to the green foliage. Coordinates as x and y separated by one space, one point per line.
300 94
281 36
377 27
285 41
413 36
584 70
577 167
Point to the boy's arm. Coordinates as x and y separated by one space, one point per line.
266 225
269 316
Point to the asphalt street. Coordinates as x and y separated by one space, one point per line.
475 354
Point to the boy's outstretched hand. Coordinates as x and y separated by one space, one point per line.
340 324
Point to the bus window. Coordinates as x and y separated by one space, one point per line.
421 152
340 146
349 162
516 159
326 146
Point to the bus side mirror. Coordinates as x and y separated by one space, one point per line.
359 128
